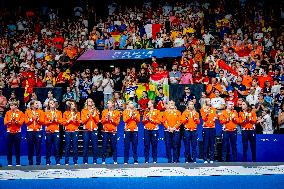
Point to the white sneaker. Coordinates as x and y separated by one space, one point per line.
95 163
65 164
9 165
47 164
57 164
186 162
136 163
103 162
86 163
194 162
205 161
115 163
125 163
75 164
18 165
154 162
146 162
211 162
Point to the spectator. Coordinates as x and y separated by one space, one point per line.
3 103
143 102
49 98
175 75
107 85
34 98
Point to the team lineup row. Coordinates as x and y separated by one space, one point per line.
172 119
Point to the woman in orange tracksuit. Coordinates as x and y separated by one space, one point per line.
71 122
34 119
110 121
53 118
229 119
151 121
14 120
90 119
131 118
247 120
190 119
172 120
209 115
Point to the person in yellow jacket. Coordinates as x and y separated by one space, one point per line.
110 121
209 115
71 123
14 120
34 119
172 120
190 119
131 118
90 117
229 119
151 120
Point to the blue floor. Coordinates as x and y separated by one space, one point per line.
220 182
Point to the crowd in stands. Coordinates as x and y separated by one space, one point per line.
237 54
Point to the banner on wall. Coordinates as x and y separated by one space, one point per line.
152 90
131 54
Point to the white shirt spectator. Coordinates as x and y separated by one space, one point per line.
207 38
107 85
97 81
217 102
266 124
179 42
275 89
252 99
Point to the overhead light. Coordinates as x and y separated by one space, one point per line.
112 66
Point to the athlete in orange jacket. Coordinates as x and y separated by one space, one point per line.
172 120
110 121
190 119
71 122
14 120
90 117
34 119
229 119
247 120
208 114
151 121
131 117
53 118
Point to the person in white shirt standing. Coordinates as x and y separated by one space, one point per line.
207 37
218 102
97 81
266 122
252 98
107 85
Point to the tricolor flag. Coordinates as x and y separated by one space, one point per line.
152 29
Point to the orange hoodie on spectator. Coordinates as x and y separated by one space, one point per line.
131 120
14 121
247 80
90 119
247 120
69 124
110 120
210 91
208 116
151 119
171 119
34 119
190 119
229 120
52 125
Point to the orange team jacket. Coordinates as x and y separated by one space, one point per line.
90 120
53 126
152 119
111 124
131 122
190 119
229 120
208 117
14 126
171 119
71 126
34 119
247 120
